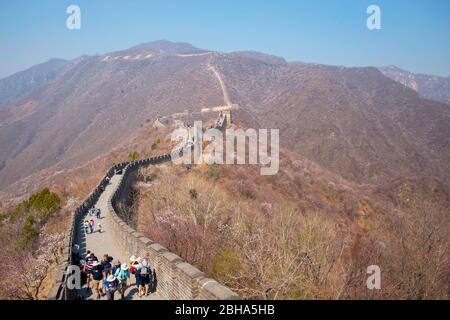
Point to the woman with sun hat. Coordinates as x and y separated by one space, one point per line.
123 276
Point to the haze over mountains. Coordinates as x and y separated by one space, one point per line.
433 87
31 79
355 122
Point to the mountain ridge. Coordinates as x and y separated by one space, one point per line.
23 82
354 121
429 86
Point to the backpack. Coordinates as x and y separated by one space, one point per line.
121 274
144 271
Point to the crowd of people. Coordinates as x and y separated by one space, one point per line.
108 276
89 222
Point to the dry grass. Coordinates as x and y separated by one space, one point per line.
304 234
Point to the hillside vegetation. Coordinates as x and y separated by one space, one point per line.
364 176
355 122
30 245
304 234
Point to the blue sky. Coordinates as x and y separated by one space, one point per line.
415 34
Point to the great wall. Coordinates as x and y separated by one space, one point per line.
177 279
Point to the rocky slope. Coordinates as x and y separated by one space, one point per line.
432 87
353 121
14 87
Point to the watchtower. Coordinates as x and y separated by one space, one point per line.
228 118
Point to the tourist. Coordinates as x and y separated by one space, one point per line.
87 267
137 274
86 226
98 213
76 254
133 263
145 275
91 225
111 286
115 265
154 283
99 227
90 259
123 276
97 278
134 268
107 266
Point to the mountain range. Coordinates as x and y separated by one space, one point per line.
367 125
432 87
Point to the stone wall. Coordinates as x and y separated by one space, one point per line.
59 291
177 279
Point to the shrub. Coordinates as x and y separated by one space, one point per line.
44 203
11 216
194 194
226 263
30 232
246 189
212 172
31 214
133 156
